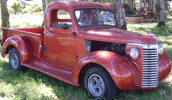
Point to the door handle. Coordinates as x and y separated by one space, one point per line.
47 31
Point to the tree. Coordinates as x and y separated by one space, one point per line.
145 5
130 3
4 14
121 14
161 20
44 7
140 4
104 1
134 4
154 4
112 5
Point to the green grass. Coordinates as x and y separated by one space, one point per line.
33 85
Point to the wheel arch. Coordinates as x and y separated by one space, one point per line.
21 44
93 59
116 66
84 70
9 48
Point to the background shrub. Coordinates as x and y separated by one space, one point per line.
15 7
33 6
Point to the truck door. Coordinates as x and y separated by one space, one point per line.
60 43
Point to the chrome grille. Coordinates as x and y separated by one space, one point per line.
150 67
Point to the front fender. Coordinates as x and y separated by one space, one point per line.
164 66
120 69
21 44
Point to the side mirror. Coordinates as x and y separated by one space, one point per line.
65 26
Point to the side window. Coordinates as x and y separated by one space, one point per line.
59 18
62 14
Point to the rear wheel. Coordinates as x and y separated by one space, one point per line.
14 60
99 84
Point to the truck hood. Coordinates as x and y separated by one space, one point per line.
116 36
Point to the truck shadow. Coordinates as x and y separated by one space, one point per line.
24 81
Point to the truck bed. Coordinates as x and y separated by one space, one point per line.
33 35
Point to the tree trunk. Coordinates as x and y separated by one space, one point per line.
4 14
112 5
134 4
130 3
166 5
161 13
121 15
140 5
154 5
149 5
104 1
145 5
44 7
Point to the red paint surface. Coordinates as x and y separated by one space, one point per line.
65 54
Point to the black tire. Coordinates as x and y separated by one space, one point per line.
99 84
14 60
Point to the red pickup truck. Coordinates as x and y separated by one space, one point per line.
81 44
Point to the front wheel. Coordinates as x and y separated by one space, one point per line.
14 60
99 84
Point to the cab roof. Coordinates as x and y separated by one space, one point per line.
78 4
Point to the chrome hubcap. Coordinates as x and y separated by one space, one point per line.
96 85
14 61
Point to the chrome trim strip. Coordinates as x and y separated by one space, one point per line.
153 36
145 46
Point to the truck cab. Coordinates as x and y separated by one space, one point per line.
81 44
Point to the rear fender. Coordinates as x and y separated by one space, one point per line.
120 69
22 45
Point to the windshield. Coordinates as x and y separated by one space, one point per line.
95 17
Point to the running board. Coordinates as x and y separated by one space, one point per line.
51 71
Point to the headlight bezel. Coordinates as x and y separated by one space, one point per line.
134 53
160 49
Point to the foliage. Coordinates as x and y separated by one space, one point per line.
33 6
15 7
26 20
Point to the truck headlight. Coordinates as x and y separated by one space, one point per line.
134 53
160 48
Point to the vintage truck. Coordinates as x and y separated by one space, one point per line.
81 44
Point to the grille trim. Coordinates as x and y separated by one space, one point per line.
150 65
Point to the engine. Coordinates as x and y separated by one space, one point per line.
107 46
